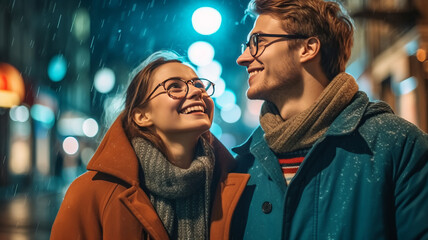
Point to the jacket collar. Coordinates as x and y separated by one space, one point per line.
116 156
346 123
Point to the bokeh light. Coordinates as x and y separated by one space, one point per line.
231 114
19 114
201 53
226 100
57 68
70 145
216 130
104 80
43 115
229 140
220 87
212 71
90 127
408 85
20 157
81 24
206 20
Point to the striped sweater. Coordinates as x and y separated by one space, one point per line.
290 163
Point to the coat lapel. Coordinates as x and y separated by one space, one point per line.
227 196
140 206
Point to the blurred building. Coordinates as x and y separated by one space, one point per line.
390 54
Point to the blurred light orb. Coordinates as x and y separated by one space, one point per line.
201 53
112 107
90 127
228 140
81 24
231 114
216 130
206 20
226 100
20 157
212 71
254 106
70 126
19 114
57 68
421 55
104 80
70 145
219 87
43 114
408 85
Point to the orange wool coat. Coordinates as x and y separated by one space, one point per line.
107 202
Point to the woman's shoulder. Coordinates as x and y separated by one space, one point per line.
93 187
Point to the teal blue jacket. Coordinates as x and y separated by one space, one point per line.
366 178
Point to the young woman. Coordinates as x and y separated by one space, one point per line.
158 173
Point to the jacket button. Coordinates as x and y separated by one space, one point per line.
267 207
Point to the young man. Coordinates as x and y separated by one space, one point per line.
325 162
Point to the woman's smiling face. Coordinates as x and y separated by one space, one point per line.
192 114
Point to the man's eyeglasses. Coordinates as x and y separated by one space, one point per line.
253 42
177 88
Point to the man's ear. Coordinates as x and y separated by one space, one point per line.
142 118
310 49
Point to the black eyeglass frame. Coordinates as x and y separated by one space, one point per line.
187 88
256 41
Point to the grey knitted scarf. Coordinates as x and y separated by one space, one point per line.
181 197
302 130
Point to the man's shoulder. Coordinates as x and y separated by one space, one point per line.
386 121
383 127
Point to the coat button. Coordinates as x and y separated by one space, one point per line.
267 207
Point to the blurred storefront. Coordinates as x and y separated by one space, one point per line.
390 54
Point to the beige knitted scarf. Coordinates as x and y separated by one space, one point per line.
302 130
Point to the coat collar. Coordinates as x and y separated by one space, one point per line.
116 156
346 123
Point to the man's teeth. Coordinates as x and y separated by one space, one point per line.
254 72
193 109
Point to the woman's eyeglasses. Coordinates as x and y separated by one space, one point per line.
177 88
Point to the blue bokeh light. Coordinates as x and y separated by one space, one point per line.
226 100
201 53
206 20
231 114
43 115
408 85
219 87
212 71
57 68
216 130
19 113
104 80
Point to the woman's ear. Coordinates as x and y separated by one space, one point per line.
142 118
310 49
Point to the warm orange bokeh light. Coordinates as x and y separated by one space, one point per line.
12 89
